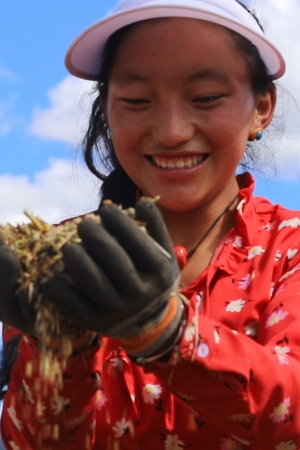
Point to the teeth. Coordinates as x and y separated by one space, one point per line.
178 163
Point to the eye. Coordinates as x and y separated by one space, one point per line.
135 101
207 100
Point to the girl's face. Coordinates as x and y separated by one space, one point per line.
180 110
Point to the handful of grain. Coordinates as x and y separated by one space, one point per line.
37 246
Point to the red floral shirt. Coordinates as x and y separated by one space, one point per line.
232 383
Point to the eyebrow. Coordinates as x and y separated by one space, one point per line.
131 78
209 74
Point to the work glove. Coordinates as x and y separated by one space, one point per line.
16 309
124 280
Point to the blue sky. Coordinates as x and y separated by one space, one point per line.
43 113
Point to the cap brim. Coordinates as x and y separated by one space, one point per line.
83 58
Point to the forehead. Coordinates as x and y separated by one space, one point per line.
177 45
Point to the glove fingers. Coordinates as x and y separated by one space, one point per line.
13 314
28 309
110 256
9 272
74 305
141 249
10 311
147 211
87 276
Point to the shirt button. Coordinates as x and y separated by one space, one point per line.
203 351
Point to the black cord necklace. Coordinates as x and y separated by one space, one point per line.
193 250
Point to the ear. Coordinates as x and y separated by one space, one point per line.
264 110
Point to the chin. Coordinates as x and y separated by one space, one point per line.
176 205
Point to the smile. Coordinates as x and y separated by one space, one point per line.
187 162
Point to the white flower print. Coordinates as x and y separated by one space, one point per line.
270 226
40 408
25 339
101 399
13 445
31 428
151 392
199 303
235 306
75 423
60 404
251 329
191 330
117 363
230 444
281 411
291 272
238 242
279 289
282 352
291 253
93 425
245 282
240 206
121 428
287 446
217 337
255 251
294 223
276 317
173 443
278 256
28 393
97 379
13 415
272 288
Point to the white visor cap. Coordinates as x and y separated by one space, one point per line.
83 58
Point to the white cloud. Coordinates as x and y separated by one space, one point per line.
281 17
7 74
67 116
288 158
6 119
61 191
282 27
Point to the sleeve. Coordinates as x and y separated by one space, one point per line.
248 388
40 416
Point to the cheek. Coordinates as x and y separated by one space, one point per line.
231 130
123 129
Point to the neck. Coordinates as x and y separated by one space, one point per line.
187 228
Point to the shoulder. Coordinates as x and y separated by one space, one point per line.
281 216
259 220
257 207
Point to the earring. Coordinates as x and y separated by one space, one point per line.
257 135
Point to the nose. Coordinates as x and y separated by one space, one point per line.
173 125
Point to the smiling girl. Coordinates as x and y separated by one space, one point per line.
199 316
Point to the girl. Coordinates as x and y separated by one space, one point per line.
206 357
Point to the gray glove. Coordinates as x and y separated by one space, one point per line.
122 277
15 309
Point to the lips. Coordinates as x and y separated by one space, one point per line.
187 162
